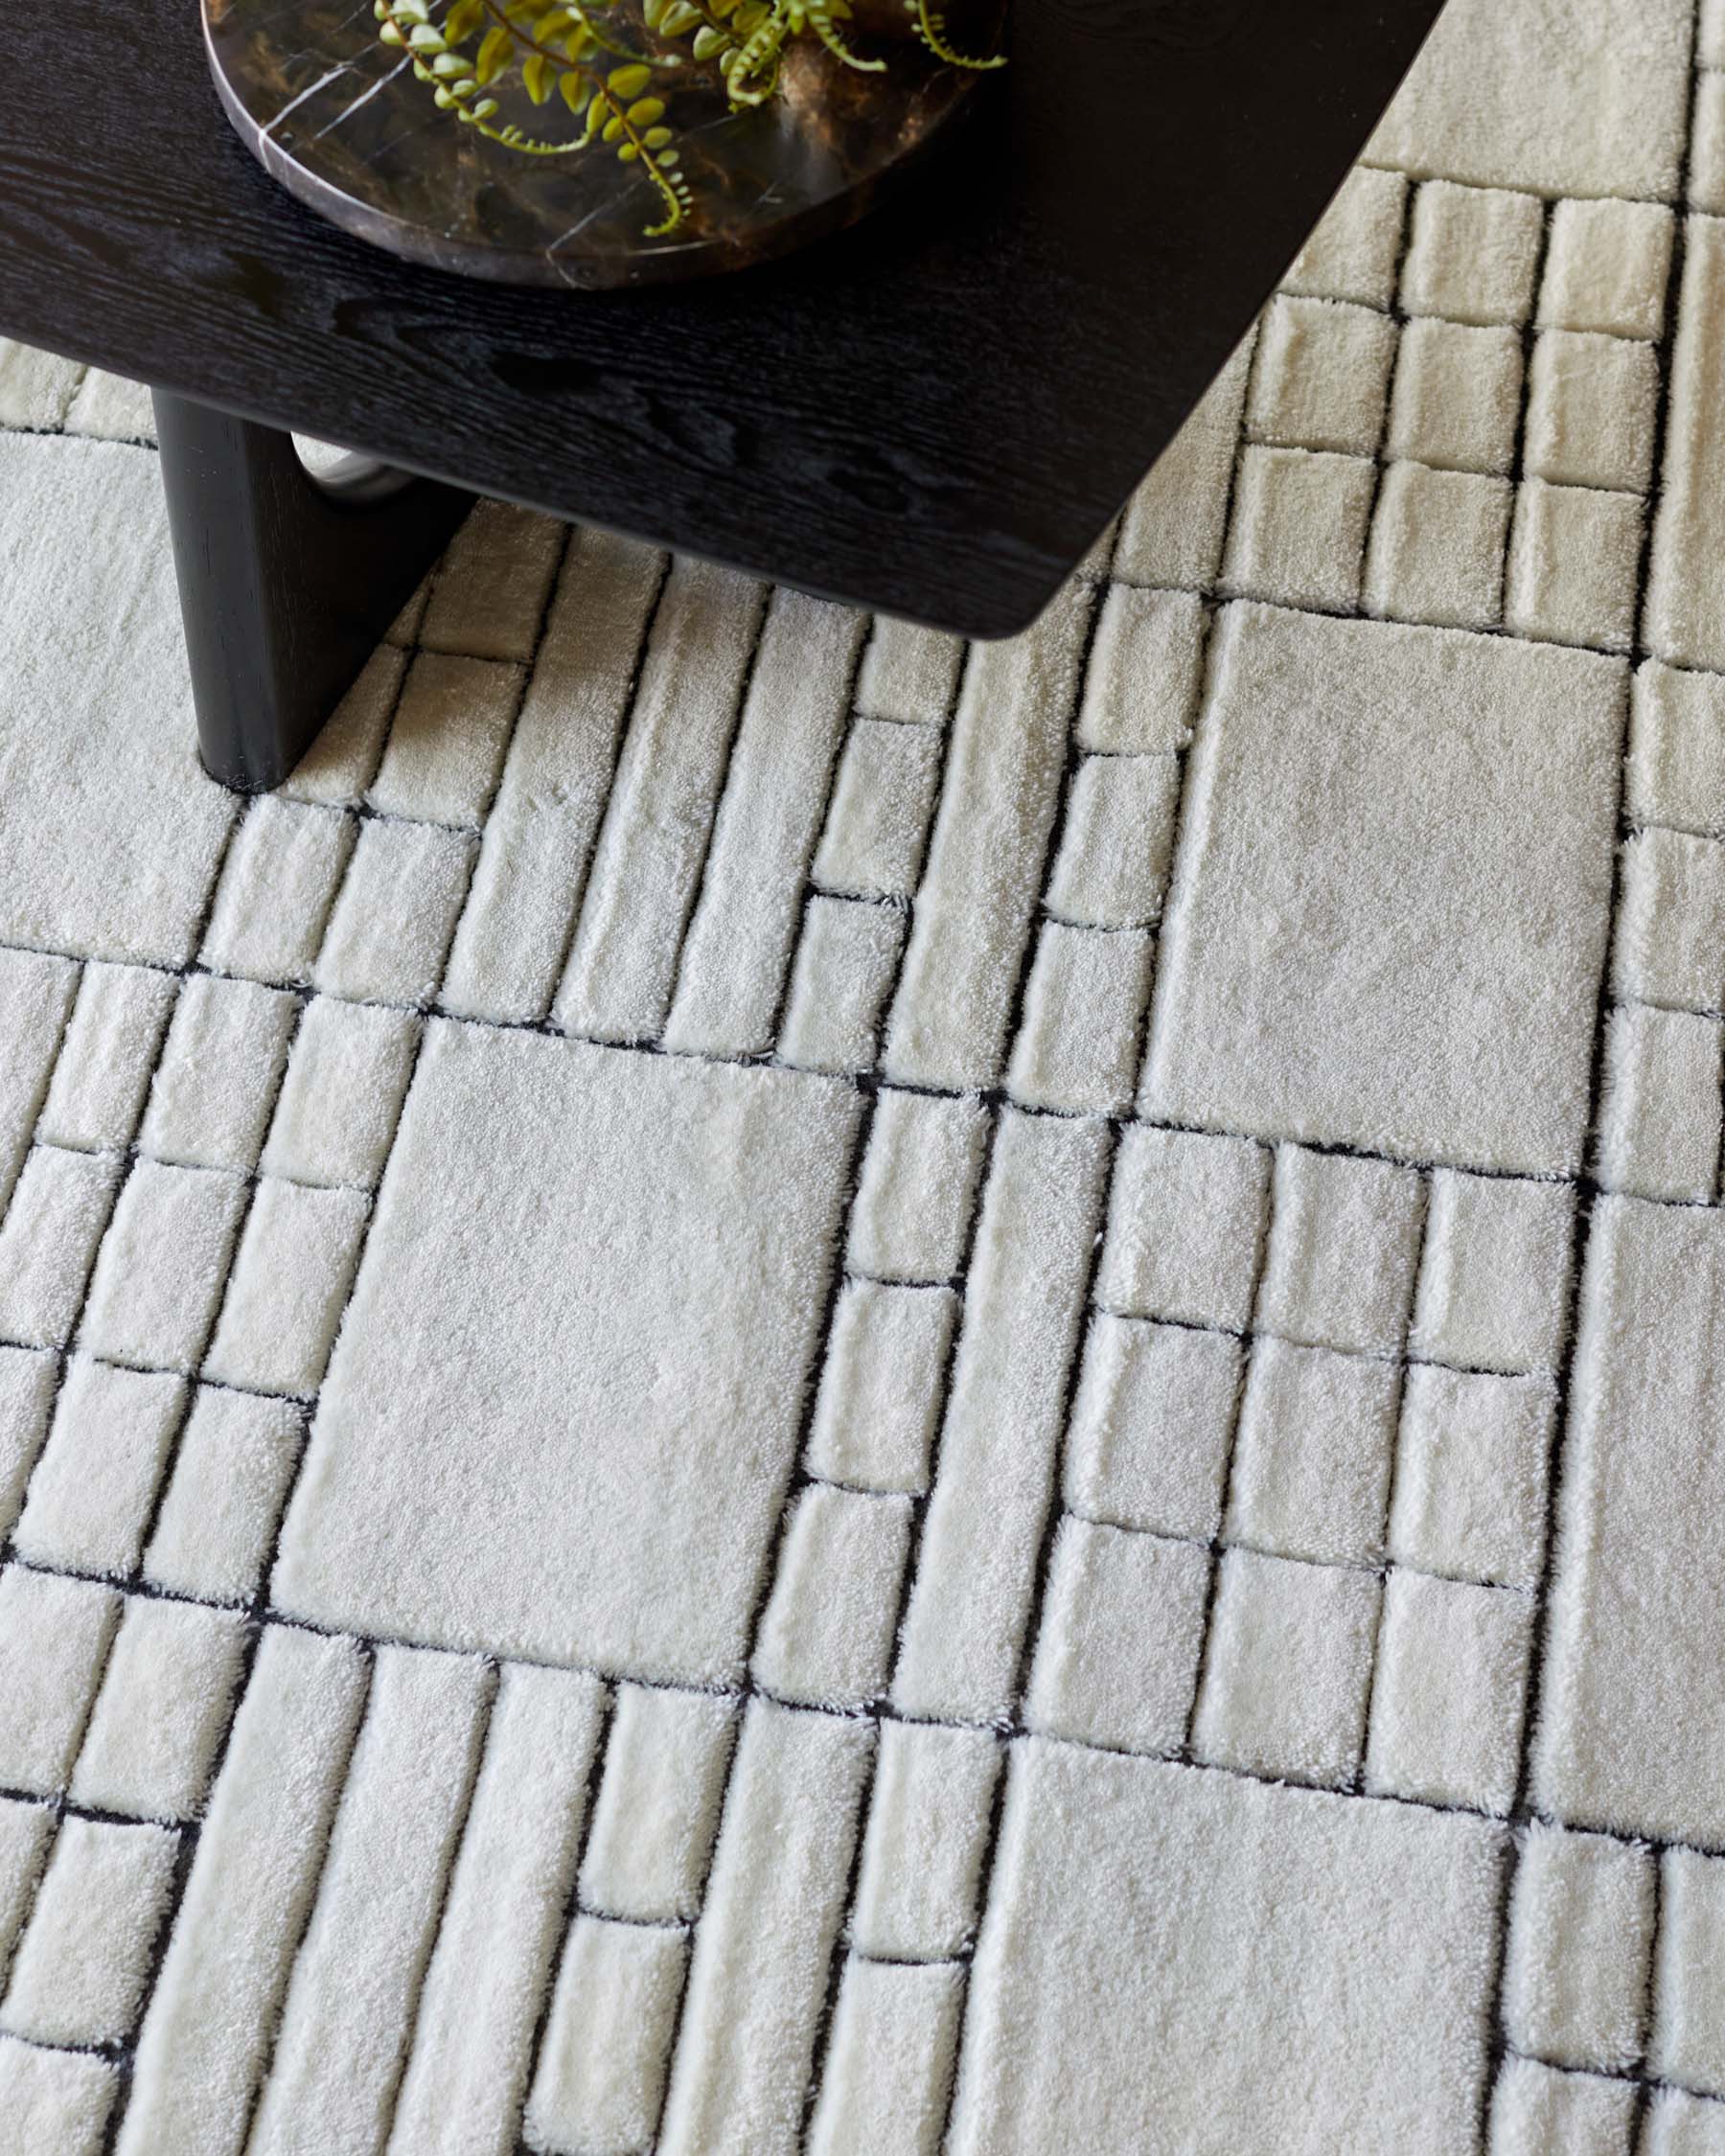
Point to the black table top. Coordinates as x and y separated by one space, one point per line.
933 415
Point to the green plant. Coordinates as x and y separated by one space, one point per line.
614 64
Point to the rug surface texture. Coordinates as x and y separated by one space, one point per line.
765 1386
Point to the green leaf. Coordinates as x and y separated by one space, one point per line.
463 19
576 91
495 49
537 76
628 82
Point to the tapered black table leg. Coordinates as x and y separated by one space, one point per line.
287 582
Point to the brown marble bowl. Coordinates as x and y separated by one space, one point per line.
340 121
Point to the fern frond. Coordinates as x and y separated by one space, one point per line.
563 45
820 21
931 28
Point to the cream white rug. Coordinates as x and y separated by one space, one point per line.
765 1385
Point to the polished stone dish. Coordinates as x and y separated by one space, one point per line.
339 119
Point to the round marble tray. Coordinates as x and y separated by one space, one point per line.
341 121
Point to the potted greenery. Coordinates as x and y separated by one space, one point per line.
556 77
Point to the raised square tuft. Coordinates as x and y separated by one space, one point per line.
1351 255
1298 527
1472 254
1151 1425
1607 267
1677 773
880 1395
1394 876
1659 1119
1342 1248
1113 863
1122 1626
1687 2043
1287 1669
1178 1961
82 1962
1311 1471
1437 550
1670 940
163 1263
1581 1930
1539 2110
1457 394
224 1053
1470 1476
655 1364
1573 558
1590 410
1320 375
1446 1711
1140 688
94 1486
1494 1279
1184 1221
883 798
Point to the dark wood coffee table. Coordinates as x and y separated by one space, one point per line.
933 415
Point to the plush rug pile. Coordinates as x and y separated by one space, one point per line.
766 1385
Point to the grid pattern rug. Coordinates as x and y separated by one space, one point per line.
769 1387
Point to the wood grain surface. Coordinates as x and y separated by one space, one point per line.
932 414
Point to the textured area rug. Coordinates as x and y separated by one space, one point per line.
766 1385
